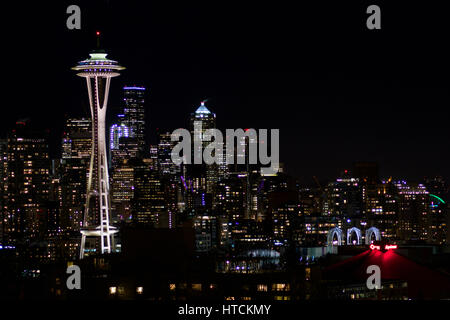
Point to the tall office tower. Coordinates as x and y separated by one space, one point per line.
73 172
134 114
73 182
384 212
127 149
311 201
344 198
124 151
148 202
242 166
206 232
284 219
367 173
28 181
170 175
123 191
242 152
153 155
117 131
3 187
172 194
439 218
203 176
77 139
206 117
414 211
64 210
98 71
166 166
222 166
121 145
230 198
272 191
53 219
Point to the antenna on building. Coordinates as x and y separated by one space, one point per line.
97 33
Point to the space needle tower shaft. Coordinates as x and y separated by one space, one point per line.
98 71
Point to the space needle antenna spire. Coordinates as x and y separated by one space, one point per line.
97 33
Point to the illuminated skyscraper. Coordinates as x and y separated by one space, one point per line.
165 164
134 114
3 188
204 177
206 117
149 205
170 175
230 197
74 171
28 168
122 191
77 139
98 71
414 211
117 131
439 218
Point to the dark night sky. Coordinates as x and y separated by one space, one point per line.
337 91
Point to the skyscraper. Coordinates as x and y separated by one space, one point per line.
117 131
74 172
127 149
167 167
414 211
3 187
123 190
77 139
28 169
170 175
149 206
203 176
98 71
134 114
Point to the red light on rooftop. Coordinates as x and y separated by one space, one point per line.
97 33
386 247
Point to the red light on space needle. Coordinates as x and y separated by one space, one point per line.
97 33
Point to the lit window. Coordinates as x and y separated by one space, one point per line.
281 298
280 287
307 273
139 290
112 290
197 286
262 288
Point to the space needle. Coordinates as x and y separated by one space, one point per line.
98 71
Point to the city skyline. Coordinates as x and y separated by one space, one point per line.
239 157
321 99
